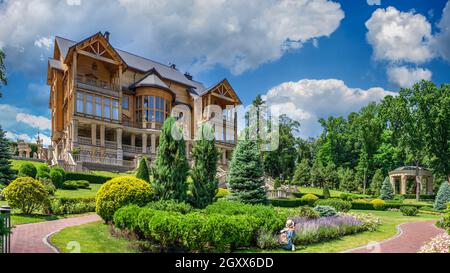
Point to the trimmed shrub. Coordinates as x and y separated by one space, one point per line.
127 217
170 205
409 210
338 204
63 206
61 171
288 203
443 196
326 193
325 211
379 204
27 169
43 172
310 198
48 185
422 196
119 192
26 194
362 204
57 178
74 185
265 216
222 193
142 171
91 178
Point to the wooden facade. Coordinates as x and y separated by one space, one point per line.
108 105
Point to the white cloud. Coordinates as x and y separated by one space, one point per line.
442 39
27 138
374 2
195 34
39 122
44 42
309 100
399 36
407 77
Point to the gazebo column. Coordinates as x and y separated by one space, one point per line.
403 184
392 179
430 184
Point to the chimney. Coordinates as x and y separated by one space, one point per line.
189 76
107 35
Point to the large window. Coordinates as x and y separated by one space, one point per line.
152 109
125 103
98 106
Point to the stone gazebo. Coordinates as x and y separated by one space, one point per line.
399 178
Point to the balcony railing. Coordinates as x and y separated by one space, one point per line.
97 83
103 160
140 125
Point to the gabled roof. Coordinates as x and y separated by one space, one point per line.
150 80
56 64
213 87
138 63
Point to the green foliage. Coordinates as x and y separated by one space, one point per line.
27 170
347 180
266 239
26 194
142 171
288 202
57 178
338 204
127 217
171 167
277 183
222 193
91 178
326 193
265 216
443 196
309 198
325 211
61 171
65 206
6 173
376 183
246 173
203 173
306 212
170 205
362 205
409 210
302 174
74 185
119 192
386 192
379 204
48 185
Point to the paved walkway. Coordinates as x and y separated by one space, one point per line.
32 238
411 238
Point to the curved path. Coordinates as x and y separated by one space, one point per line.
411 237
32 238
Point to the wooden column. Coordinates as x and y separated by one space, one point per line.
392 179
133 140
75 131
119 138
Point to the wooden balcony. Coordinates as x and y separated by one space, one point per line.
97 85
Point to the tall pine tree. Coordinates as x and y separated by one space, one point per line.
6 173
142 171
205 155
246 173
171 166
386 192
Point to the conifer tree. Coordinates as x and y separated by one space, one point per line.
246 173
6 173
171 166
443 196
205 155
386 192
142 172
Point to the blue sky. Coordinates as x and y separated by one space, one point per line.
308 58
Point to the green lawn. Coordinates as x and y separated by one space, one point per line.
388 229
110 174
333 193
80 192
15 164
92 238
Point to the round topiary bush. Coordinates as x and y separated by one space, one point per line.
43 172
26 194
409 210
57 178
378 204
119 192
310 198
27 169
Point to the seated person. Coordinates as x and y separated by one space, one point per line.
287 236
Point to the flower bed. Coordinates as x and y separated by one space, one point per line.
439 244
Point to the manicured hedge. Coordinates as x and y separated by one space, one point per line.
338 204
91 178
422 196
66 205
288 203
359 205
